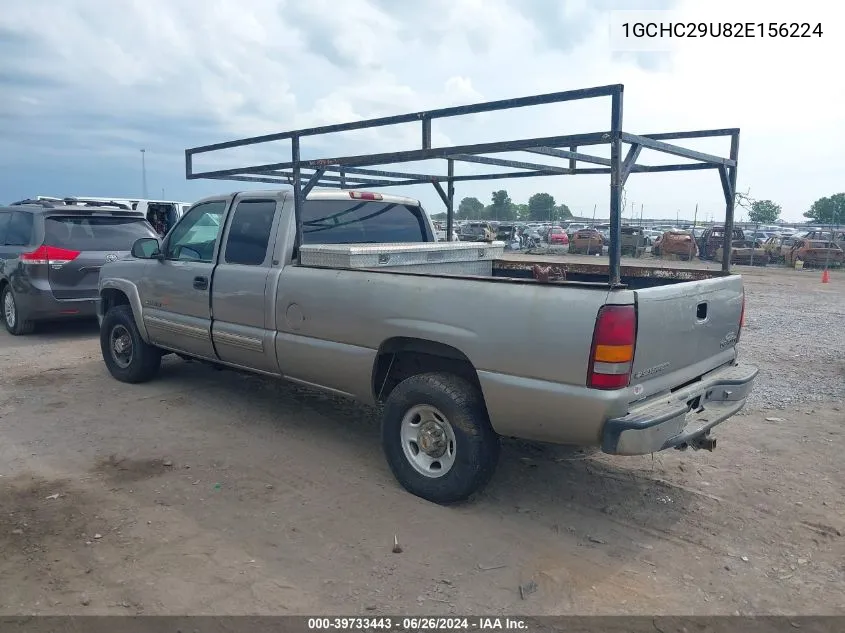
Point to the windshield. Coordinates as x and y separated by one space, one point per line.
95 233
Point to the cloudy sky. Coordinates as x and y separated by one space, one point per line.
84 84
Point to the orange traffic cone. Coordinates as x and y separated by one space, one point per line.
825 276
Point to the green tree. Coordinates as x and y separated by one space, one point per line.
764 212
562 212
438 216
522 212
470 209
828 210
502 207
541 206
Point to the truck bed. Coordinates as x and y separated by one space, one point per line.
636 272
548 327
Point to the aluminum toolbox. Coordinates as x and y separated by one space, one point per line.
467 258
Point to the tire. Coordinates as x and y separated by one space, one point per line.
430 400
138 363
15 324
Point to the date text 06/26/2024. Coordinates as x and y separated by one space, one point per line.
386 624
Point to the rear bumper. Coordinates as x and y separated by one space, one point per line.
41 305
683 416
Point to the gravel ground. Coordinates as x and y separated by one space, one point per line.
208 492
795 333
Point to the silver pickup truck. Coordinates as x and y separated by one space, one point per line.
634 369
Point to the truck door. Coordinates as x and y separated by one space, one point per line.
243 329
175 293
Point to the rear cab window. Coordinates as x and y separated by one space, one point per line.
95 232
249 232
362 222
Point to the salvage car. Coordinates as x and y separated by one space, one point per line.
746 252
712 238
837 236
815 253
634 241
557 237
586 241
477 232
778 247
356 308
675 243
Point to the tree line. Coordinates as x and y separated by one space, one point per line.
540 207
828 210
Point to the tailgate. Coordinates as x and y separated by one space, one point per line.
86 242
685 330
78 278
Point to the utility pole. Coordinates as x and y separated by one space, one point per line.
143 174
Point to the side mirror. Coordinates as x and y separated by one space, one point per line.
147 248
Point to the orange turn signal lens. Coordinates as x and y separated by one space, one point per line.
614 353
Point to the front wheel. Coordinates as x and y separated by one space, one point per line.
127 356
437 437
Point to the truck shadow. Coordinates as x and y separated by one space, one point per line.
565 485
563 520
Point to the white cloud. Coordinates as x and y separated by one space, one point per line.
85 84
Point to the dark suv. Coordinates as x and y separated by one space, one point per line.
50 258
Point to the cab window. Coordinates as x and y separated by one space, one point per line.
249 232
194 238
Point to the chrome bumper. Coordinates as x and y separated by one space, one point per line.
682 417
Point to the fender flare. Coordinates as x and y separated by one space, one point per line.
129 289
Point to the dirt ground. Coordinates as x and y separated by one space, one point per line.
208 492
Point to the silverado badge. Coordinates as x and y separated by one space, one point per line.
651 370
730 339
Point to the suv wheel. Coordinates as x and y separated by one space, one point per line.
127 356
12 318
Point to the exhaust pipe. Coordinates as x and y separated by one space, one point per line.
703 442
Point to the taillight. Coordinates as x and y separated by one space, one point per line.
612 352
364 195
52 255
741 317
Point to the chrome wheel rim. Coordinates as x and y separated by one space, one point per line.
9 310
428 441
120 344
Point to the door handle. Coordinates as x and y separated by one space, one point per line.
201 283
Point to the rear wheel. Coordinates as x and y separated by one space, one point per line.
14 321
127 356
437 437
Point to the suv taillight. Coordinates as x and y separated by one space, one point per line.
49 255
741 318
612 352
